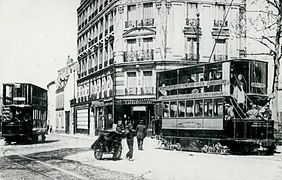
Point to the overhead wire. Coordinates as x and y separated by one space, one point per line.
224 20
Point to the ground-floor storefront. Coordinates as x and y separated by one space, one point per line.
99 115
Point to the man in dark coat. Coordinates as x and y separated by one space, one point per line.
141 134
130 133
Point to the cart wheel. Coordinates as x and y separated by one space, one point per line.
117 152
98 151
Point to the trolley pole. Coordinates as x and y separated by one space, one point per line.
198 37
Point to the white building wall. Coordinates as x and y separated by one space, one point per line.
52 106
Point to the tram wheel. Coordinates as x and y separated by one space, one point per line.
98 150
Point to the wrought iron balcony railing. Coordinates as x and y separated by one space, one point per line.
140 55
191 22
191 57
219 23
147 90
220 57
142 22
131 91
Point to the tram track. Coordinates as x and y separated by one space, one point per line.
40 168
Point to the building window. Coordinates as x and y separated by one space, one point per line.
191 48
192 9
220 53
131 44
132 13
132 83
219 12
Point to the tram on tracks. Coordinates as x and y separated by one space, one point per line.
219 107
24 113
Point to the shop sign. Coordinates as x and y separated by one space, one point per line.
139 108
258 85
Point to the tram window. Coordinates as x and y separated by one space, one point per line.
208 107
189 109
166 110
199 108
218 108
173 109
181 108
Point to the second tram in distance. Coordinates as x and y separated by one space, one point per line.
216 106
24 113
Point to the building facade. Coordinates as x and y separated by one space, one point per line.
61 92
122 44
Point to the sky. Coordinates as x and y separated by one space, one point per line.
36 37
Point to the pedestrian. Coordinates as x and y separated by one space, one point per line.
141 133
50 129
120 127
129 134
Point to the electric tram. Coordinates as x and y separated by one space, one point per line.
24 113
218 107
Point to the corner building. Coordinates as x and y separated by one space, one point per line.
122 44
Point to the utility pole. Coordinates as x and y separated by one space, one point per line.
198 37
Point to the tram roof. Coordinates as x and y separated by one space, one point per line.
13 83
218 62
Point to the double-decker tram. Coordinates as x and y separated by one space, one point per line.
24 113
216 107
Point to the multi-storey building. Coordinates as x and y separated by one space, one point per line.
65 92
122 44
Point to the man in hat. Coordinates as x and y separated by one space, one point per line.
253 113
129 134
141 134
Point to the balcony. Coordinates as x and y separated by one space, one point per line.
130 24
191 22
191 57
131 91
147 90
146 22
220 23
142 22
141 55
219 57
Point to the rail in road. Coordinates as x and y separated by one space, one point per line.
38 168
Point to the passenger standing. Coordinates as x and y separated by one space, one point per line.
141 131
130 133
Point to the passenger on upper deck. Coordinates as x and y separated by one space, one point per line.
253 113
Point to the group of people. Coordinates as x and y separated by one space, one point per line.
254 113
140 132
